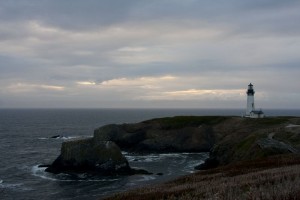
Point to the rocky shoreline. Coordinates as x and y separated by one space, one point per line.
228 139
252 159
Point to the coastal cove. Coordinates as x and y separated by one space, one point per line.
27 143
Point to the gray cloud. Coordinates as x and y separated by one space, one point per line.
54 52
74 14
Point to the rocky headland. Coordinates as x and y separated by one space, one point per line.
230 141
174 134
249 158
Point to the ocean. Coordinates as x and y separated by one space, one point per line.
26 143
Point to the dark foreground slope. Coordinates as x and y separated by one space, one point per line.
273 178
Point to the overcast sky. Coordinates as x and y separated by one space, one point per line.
149 53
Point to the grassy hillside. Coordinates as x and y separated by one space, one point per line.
246 139
276 177
236 139
185 121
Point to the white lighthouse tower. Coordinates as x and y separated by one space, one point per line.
250 99
251 112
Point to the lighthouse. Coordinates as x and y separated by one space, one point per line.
250 111
250 99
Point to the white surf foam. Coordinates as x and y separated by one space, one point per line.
146 178
62 137
13 186
147 158
40 172
74 137
155 157
190 167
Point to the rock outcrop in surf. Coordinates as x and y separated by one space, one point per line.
91 156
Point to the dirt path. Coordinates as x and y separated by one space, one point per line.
269 142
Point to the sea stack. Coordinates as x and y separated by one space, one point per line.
89 155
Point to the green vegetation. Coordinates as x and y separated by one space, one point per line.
245 145
268 121
184 121
245 139
291 136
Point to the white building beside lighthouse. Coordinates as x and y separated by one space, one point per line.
250 111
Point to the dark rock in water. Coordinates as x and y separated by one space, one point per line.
89 155
55 136
160 174
140 171
40 166
208 164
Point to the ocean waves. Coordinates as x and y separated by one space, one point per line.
62 137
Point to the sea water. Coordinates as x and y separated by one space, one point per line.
25 143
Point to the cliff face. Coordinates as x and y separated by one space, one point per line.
177 134
229 139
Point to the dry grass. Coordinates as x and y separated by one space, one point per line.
273 178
